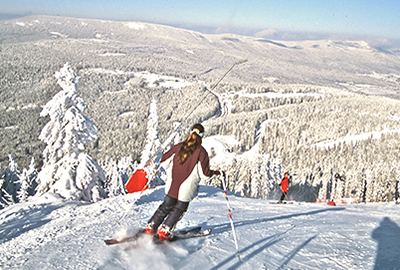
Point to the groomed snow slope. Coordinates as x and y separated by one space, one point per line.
55 234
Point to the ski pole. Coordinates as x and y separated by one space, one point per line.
140 195
230 216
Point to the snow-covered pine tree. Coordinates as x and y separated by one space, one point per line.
324 182
152 141
23 192
152 145
174 137
243 185
115 183
27 182
127 166
117 174
2 182
369 188
256 186
11 183
117 186
66 170
7 199
32 174
273 175
391 184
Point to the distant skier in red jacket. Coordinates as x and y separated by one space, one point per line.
189 164
284 186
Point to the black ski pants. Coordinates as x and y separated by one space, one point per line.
171 210
283 196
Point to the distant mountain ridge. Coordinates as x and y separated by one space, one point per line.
316 61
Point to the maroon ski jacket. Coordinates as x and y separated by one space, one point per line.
183 180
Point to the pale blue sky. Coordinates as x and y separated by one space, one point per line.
285 19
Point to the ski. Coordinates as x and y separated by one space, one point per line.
114 241
187 231
284 202
178 235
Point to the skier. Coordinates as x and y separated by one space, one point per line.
190 163
284 186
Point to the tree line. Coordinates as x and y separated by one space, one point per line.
290 131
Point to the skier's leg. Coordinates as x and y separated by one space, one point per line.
175 215
282 197
163 210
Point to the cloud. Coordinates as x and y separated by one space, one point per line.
375 42
275 34
224 30
383 42
267 33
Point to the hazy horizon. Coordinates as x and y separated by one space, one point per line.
374 21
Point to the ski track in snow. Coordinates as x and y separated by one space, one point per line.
54 234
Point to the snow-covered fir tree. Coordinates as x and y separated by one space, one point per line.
23 192
67 170
6 199
152 149
153 143
10 183
2 194
32 174
27 182
116 186
117 175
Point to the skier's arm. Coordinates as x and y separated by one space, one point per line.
174 149
205 164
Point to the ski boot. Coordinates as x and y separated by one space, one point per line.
164 234
149 230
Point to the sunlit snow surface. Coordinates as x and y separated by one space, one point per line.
55 234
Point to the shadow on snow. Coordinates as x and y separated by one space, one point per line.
271 239
25 220
227 226
388 237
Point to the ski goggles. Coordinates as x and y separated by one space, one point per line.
201 134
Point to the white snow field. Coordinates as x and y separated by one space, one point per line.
57 234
